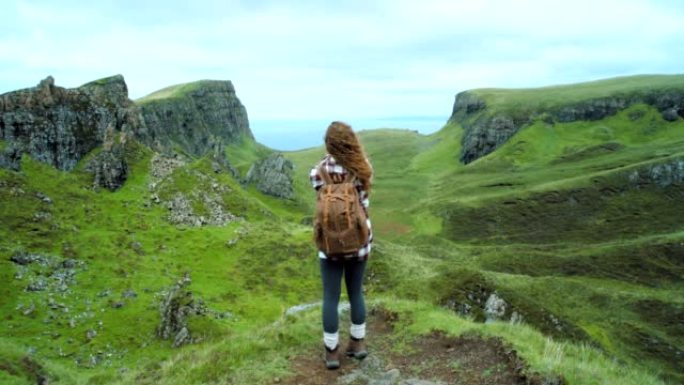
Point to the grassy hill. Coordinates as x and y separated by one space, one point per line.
572 224
562 95
176 91
551 221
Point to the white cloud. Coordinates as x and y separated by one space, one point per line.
316 60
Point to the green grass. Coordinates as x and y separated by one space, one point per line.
550 221
100 82
175 91
578 363
505 218
255 277
551 97
244 153
258 356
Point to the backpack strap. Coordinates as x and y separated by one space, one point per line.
324 175
348 178
329 180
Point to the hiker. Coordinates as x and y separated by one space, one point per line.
344 171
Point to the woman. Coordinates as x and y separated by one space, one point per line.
345 161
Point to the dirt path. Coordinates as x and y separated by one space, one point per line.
434 359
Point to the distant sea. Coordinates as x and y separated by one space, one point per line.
290 135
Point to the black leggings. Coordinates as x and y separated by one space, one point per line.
331 273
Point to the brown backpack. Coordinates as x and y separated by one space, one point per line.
340 226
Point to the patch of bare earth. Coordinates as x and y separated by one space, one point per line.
310 369
467 360
433 359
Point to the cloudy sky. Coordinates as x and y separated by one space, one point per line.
297 65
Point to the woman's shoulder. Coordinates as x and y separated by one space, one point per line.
324 161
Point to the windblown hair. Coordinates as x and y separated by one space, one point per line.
342 143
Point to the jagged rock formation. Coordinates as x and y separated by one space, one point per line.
109 167
487 127
195 117
272 176
60 126
175 308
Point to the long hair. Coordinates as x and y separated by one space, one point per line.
342 143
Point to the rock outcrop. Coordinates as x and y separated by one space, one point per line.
488 127
177 305
273 176
109 167
662 175
196 117
60 126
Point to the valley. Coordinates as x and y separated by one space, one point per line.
549 219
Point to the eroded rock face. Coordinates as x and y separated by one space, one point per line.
177 305
109 167
486 130
59 126
273 176
662 175
488 137
196 120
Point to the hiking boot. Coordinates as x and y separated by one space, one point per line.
356 348
332 357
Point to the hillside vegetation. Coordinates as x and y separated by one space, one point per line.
563 95
576 226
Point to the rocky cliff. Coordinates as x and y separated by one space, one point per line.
194 117
60 126
489 120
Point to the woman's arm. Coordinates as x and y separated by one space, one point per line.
315 178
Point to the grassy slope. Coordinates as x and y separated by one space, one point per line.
418 258
607 281
128 245
256 279
553 96
175 91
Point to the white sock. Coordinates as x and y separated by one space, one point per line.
331 339
358 331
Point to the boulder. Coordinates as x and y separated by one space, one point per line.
273 176
670 114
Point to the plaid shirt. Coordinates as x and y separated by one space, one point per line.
335 169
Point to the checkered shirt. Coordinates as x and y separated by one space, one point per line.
317 182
